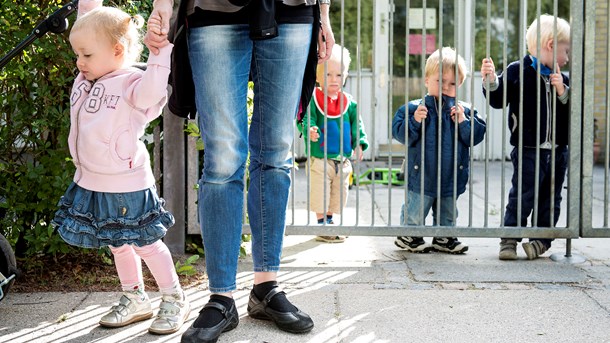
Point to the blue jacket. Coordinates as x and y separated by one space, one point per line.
430 153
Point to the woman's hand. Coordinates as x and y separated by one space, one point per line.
326 38
156 35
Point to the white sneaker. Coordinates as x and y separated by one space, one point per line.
132 307
173 311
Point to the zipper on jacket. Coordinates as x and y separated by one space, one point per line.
549 114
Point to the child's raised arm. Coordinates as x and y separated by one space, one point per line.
488 70
85 6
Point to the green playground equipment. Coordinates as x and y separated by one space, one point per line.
382 176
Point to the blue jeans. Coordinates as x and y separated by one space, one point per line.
413 207
222 59
544 191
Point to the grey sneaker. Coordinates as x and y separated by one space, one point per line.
508 249
533 249
412 244
173 311
133 307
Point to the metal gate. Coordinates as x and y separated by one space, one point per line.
383 78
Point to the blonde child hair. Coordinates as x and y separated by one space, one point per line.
116 25
338 52
547 24
449 62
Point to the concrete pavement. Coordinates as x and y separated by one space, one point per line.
367 290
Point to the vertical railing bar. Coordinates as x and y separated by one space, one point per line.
341 122
293 173
390 106
504 117
470 162
406 158
487 91
553 120
356 168
606 149
308 162
439 107
456 25
324 179
423 122
522 19
373 125
488 123
538 116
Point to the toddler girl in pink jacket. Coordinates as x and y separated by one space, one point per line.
112 200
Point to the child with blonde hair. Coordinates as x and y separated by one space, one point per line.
329 107
538 65
112 200
421 113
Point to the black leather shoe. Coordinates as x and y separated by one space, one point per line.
210 335
295 322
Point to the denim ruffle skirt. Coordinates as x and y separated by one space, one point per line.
91 219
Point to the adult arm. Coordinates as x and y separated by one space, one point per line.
326 38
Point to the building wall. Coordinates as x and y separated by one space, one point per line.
601 70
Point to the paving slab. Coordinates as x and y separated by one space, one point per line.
366 290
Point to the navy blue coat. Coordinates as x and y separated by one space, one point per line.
510 80
447 143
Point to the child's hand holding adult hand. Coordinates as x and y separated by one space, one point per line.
156 35
457 111
488 70
421 113
557 81
153 32
313 134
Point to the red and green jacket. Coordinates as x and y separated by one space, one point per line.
344 108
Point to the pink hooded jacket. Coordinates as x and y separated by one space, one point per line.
108 117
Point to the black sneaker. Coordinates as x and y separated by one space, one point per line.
449 244
412 244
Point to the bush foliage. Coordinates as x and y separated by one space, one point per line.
35 166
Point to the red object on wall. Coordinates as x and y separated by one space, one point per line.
415 44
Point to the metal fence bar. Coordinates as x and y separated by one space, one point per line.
585 15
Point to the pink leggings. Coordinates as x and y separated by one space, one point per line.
128 261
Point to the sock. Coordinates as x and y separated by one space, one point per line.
135 292
278 302
210 317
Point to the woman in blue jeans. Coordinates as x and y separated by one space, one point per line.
272 43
